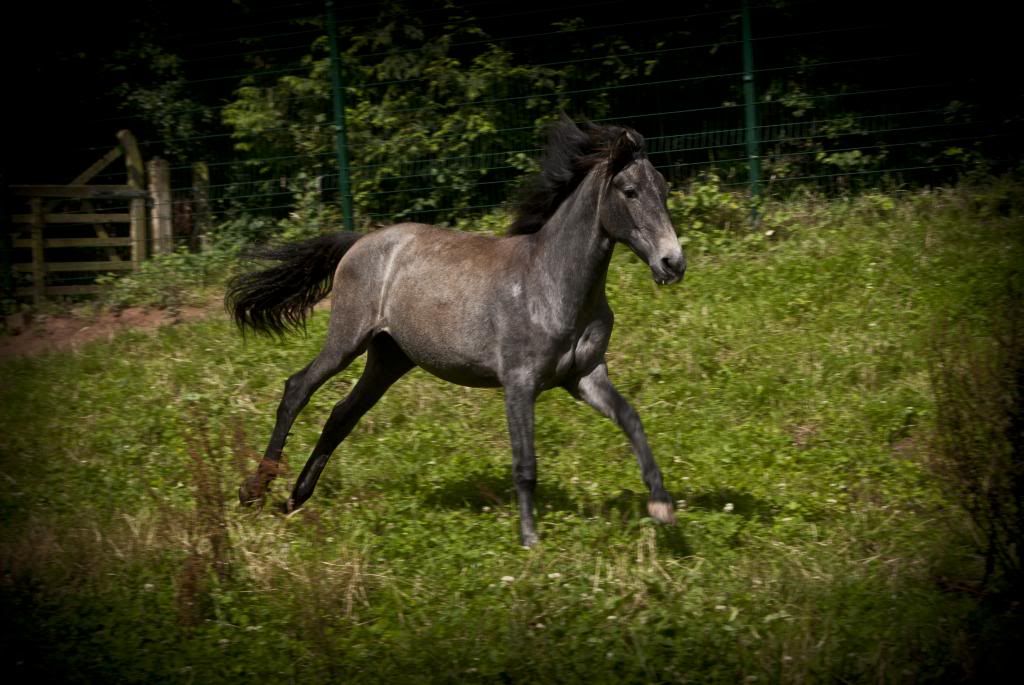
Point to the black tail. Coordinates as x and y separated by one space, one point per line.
278 298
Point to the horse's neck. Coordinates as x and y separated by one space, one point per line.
573 251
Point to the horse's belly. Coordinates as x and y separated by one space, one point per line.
439 355
461 375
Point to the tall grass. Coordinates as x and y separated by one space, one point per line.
786 386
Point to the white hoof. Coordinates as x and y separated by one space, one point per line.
661 512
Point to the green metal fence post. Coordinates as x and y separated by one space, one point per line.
750 113
338 98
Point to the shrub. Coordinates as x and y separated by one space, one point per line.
169 281
705 206
979 437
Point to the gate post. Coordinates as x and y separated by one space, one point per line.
160 215
137 206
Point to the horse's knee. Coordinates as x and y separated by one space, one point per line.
525 482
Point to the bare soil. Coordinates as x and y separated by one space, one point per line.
41 334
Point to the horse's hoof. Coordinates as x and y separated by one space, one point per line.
529 540
254 487
661 512
247 496
287 507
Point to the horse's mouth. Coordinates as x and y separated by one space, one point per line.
669 269
667 278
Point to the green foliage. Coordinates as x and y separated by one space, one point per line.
168 281
431 146
153 88
705 207
495 222
290 115
243 229
429 120
785 389
309 216
839 144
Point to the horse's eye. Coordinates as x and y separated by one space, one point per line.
629 192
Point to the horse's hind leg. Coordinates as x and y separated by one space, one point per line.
337 354
385 364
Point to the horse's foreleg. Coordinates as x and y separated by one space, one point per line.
297 391
519 403
385 364
597 390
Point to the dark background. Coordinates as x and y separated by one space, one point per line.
62 61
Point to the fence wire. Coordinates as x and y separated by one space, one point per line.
841 102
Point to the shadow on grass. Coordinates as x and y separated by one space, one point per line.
629 507
673 540
492 489
478 490
739 503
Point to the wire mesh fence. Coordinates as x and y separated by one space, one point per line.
446 102
675 76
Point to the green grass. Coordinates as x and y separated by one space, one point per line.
785 390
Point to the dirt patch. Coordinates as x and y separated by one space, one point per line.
67 333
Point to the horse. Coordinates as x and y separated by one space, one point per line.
525 311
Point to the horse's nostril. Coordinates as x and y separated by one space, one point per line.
675 264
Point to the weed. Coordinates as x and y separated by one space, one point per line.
169 281
979 433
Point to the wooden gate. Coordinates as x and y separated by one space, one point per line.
77 222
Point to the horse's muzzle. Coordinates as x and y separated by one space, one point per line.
670 269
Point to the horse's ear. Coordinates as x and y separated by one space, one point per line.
621 152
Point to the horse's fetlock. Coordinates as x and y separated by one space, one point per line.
530 539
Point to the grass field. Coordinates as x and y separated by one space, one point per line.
785 388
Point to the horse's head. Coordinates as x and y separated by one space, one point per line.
634 210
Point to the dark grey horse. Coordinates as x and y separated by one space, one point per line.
526 311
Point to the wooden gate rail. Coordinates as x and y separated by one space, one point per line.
43 199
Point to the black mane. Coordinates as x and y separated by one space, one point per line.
572 151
